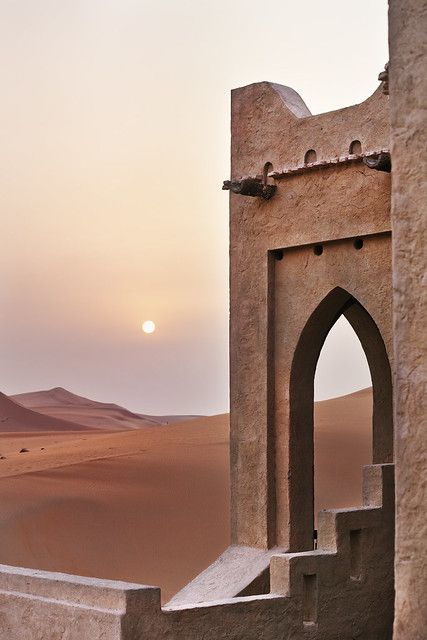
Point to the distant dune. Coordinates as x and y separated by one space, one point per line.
150 505
62 404
15 418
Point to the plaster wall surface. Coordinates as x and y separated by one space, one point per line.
408 99
40 605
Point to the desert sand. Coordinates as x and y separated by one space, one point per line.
149 505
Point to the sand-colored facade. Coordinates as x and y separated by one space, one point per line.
281 284
408 99
319 227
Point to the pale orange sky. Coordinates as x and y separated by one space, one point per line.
114 129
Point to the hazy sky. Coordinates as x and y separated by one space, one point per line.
114 130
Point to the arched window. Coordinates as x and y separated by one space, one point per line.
310 156
355 147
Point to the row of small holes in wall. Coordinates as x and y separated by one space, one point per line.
354 149
318 249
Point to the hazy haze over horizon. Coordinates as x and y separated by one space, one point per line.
115 141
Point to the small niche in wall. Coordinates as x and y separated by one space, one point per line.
356 554
355 147
268 167
310 156
309 607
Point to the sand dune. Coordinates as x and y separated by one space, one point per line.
150 505
15 418
62 404
342 444
147 505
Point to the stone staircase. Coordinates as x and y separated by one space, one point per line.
340 591
349 578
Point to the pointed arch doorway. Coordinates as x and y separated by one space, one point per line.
301 402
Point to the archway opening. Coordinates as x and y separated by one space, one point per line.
342 419
301 404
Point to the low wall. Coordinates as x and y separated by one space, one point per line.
39 605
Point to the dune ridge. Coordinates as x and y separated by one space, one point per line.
65 405
14 418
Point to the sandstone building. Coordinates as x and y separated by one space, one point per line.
327 217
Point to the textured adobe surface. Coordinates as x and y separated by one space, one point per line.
38 605
408 98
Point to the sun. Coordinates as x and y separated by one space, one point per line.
148 326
